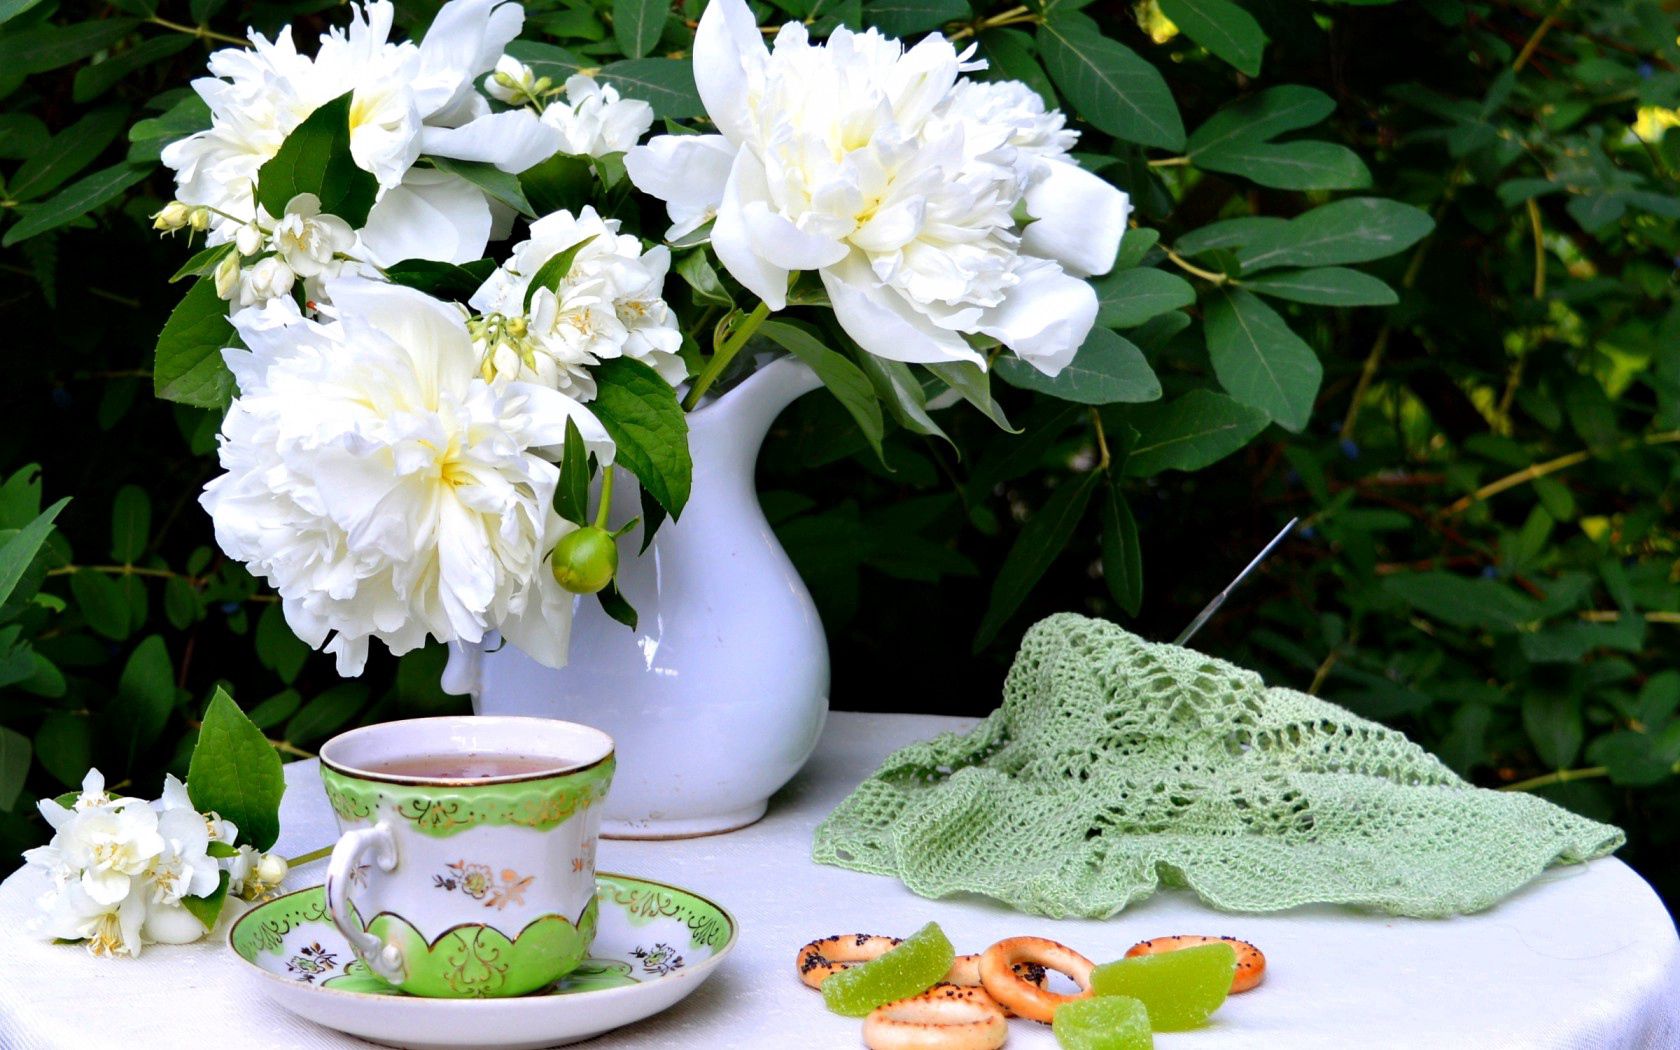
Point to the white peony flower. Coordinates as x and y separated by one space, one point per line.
594 121
109 927
409 100
385 489
610 304
895 179
513 82
111 846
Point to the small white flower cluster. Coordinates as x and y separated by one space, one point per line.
269 254
609 304
121 868
593 121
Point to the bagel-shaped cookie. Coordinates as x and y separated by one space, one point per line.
819 960
1251 961
1026 999
946 1017
965 973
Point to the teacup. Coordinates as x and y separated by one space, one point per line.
466 863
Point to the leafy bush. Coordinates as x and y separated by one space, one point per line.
1405 270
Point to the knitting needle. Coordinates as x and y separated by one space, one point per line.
1219 599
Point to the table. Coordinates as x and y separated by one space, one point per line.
1586 957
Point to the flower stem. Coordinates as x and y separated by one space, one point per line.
202 32
726 353
309 858
1191 268
1551 466
606 498
1102 439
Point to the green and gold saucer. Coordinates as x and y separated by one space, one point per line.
655 943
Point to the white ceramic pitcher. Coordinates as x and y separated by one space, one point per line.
717 698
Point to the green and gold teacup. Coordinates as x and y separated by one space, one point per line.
466 867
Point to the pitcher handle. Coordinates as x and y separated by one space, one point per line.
384 959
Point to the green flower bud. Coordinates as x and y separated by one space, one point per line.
586 560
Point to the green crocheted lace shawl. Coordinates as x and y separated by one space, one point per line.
1116 764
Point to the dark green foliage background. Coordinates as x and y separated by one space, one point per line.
1527 633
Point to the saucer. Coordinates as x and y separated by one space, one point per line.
655 944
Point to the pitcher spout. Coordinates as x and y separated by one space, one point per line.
742 416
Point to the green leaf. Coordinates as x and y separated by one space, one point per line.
904 17
1134 246
74 201
1127 298
208 908
22 135
15 755
1261 116
1223 28
235 772
1039 544
315 158
442 280
1122 554
102 603
1491 605
974 385
1010 56
93 81
1189 432
1259 359
277 648
638 24
562 182
666 84
696 270
1289 165
19 551
145 697
148 137
1326 286
50 46
571 495
551 273
64 747
1630 758
275 709
1228 233
546 60
1348 231
327 713
842 378
1107 369
70 151
10 9
614 604
1108 84
1552 718
203 262
902 393
188 367
131 524
491 179
640 413
653 516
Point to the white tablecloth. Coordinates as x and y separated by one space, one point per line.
1585 958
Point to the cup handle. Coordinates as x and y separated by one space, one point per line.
384 959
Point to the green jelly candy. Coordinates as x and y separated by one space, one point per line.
1180 989
1103 1022
916 965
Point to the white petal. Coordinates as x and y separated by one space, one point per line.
171 924
512 141
1045 318
786 245
550 409
726 44
432 215
684 169
883 323
543 629
732 240
1078 219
